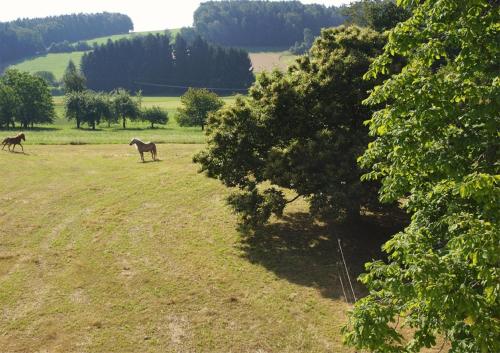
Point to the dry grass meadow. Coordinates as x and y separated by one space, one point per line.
101 253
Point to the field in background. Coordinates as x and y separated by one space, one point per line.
101 253
263 58
55 63
64 132
103 40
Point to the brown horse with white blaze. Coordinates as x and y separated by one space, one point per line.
16 140
144 147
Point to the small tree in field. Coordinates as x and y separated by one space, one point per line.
73 80
155 115
125 106
87 107
196 105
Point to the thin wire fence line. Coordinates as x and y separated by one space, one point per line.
347 271
186 87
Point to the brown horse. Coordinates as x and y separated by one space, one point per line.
144 147
13 141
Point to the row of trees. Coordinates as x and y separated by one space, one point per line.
156 66
27 37
262 23
24 99
93 108
429 93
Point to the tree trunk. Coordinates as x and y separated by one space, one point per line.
124 122
152 125
202 126
93 125
77 123
32 125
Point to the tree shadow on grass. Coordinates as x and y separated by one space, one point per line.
306 252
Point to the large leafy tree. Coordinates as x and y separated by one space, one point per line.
197 103
302 130
437 148
35 105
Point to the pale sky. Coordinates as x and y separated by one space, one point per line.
146 14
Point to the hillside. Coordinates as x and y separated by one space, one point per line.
56 63
263 58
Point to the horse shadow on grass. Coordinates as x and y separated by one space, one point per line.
306 252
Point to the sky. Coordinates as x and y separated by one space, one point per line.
147 15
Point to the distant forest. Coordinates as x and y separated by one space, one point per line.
155 65
262 23
26 37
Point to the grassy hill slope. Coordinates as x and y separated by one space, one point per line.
262 58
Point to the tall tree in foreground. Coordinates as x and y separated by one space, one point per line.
437 148
197 103
302 130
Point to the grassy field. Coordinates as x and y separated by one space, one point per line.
101 253
55 63
103 40
64 132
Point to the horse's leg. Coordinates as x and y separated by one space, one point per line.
13 147
5 144
142 156
22 147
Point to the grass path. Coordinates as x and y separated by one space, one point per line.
100 253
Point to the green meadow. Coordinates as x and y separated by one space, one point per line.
64 132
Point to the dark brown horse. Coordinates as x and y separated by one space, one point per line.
13 141
144 147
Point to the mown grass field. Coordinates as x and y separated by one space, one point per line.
101 253
64 132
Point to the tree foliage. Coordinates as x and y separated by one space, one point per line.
262 23
302 130
156 66
32 96
437 148
73 80
380 15
9 104
124 105
154 115
87 107
197 104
